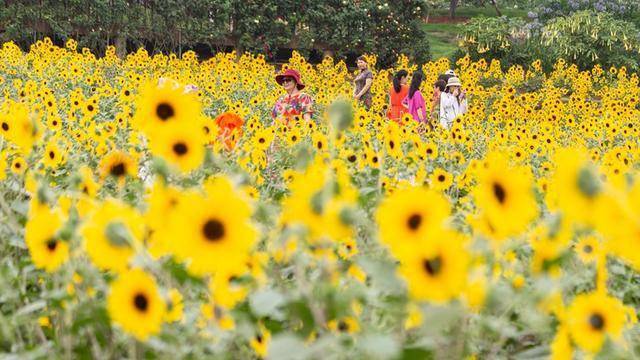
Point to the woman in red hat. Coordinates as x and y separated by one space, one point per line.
294 103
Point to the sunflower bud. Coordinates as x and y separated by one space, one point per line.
341 115
117 234
588 182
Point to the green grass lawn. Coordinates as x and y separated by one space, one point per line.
442 38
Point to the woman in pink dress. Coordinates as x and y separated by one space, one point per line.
415 101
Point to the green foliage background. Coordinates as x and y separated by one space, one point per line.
331 26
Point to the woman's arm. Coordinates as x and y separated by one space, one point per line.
463 106
443 105
367 85
423 109
307 107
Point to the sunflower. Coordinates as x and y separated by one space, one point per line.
18 165
226 290
260 341
430 151
175 307
593 317
162 202
18 127
505 196
135 304
111 235
588 249
180 145
319 141
3 165
164 104
408 216
87 185
441 180
436 270
212 232
547 256
118 165
47 250
52 156
578 186
561 348
347 325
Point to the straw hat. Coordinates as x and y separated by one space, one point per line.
453 81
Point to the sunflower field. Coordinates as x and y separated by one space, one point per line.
135 223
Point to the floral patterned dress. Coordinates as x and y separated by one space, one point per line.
289 106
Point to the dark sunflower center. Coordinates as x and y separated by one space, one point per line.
259 338
164 111
433 266
5 126
213 230
588 249
180 148
392 144
441 178
141 302
261 140
352 158
117 170
596 321
342 326
52 155
414 221
52 244
499 192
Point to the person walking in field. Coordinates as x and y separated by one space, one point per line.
397 93
415 101
362 83
453 102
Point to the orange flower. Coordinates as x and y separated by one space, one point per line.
228 124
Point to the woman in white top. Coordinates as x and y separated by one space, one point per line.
453 103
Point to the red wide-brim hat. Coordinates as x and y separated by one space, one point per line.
292 74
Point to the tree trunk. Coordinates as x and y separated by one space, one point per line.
239 48
121 45
452 8
495 5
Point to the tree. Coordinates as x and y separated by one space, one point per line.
452 8
340 26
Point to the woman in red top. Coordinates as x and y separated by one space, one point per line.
397 93
294 103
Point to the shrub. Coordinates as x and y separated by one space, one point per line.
588 38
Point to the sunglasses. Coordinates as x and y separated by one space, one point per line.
287 79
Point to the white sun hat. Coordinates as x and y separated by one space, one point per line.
453 81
